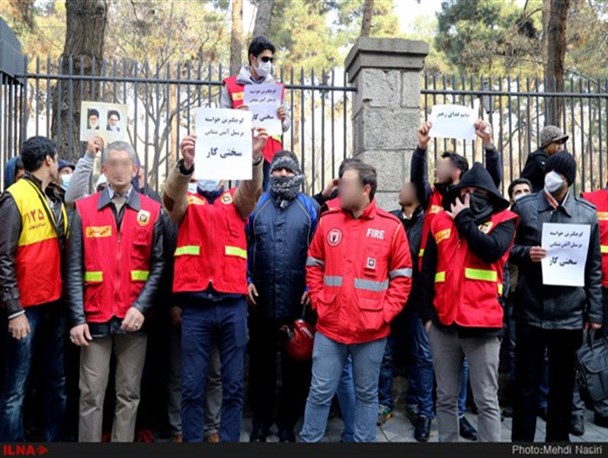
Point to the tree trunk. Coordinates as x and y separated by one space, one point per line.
263 18
236 37
86 22
368 14
556 51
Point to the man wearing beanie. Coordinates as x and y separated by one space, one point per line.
278 233
550 317
552 140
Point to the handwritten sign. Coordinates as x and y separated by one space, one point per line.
264 101
453 121
567 246
223 146
106 120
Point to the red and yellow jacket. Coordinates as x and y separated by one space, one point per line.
467 290
359 273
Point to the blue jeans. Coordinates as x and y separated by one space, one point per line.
329 358
423 379
48 332
203 322
346 399
385 384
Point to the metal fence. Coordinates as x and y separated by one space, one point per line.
517 108
161 102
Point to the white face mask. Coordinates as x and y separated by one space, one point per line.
192 188
519 196
209 185
553 181
65 181
263 69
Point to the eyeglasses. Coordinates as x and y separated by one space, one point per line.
266 59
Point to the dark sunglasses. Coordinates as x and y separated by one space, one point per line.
266 59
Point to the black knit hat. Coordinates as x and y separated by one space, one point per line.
564 164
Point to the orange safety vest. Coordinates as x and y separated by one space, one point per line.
600 200
435 206
237 94
211 247
38 257
466 288
116 261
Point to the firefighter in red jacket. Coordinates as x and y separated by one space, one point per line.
600 200
359 273
259 71
210 281
114 270
460 289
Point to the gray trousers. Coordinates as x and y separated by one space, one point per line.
130 352
213 387
482 353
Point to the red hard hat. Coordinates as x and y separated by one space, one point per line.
300 340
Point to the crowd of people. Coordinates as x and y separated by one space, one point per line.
128 314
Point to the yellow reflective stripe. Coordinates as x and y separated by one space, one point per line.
188 249
140 275
277 137
500 289
439 277
94 277
421 252
236 251
480 274
604 248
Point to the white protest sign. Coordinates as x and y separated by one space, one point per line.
264 100
453 121
223 144
566 246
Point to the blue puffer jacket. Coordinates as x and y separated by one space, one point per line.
277 243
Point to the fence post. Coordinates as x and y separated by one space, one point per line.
386 108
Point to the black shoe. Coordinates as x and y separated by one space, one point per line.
411 412
467 431
422 431
577 427
258 434
542 413
600 420
287 435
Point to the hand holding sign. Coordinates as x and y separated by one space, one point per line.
453 121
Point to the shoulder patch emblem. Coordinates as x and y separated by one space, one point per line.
334 237
143 218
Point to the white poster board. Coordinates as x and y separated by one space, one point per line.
106 120
264 100
453 121
223 144
567 246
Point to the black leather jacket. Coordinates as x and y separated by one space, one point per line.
555 307
75 266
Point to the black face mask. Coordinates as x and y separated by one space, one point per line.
481 207
442 187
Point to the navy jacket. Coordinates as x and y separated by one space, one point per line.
277 244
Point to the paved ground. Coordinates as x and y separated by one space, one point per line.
399 428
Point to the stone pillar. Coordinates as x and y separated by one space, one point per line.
386 108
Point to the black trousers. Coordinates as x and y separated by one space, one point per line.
264 343
561 346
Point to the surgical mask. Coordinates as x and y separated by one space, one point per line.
519 196
263 69
553 182
192 188
209 185
65 181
